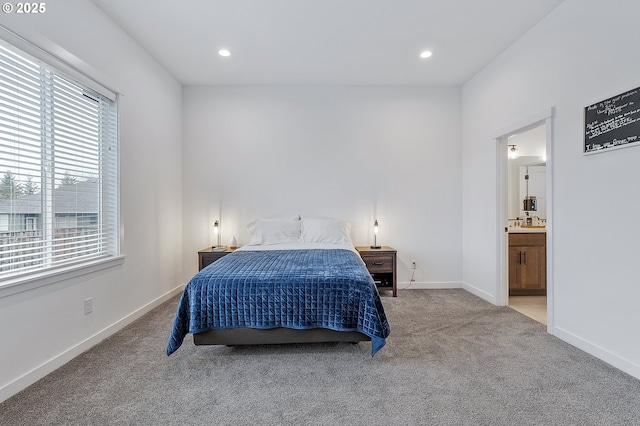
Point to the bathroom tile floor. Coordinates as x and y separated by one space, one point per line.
534 307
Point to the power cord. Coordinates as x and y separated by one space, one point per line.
412 279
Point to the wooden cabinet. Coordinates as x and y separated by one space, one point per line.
207 256
527 264
381 264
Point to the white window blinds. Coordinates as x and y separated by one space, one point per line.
58 168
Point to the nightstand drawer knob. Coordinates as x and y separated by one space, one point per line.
378 263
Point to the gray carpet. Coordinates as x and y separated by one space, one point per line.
451 359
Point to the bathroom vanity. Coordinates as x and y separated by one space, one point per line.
527 262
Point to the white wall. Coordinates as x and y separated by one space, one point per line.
356 153
581 53
43 328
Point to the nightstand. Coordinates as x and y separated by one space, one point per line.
207 256
381 264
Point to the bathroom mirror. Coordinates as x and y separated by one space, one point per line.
530 150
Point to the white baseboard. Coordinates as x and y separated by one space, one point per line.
617 361
58 361
480 293
405 285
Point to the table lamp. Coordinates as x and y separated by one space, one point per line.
376 228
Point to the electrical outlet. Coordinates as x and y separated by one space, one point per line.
413 264
88 306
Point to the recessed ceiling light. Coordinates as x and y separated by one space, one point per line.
425 54
224 52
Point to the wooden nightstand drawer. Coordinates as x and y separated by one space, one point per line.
379 263
207 256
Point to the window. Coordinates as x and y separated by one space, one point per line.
58 168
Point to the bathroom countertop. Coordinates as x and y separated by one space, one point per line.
526 229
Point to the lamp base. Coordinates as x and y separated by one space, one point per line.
375 247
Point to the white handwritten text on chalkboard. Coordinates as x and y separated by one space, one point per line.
612 122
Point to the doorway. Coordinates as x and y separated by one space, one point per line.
525 266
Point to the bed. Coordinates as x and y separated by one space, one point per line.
300 280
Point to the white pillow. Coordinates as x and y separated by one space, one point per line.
325 230
274 231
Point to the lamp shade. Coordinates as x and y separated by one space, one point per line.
530 204
376 229
216 230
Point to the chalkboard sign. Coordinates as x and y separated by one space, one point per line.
612 123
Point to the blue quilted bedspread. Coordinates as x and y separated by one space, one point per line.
297 289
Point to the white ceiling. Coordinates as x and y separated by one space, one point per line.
353 42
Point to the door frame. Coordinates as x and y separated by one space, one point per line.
502 285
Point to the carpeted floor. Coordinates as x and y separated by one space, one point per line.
451 359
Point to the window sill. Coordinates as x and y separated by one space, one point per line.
18 285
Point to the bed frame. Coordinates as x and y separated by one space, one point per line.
275 336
